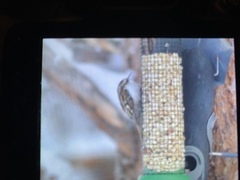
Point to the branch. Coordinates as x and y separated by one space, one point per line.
88 97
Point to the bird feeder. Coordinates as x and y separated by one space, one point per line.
162 110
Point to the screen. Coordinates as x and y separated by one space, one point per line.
108 104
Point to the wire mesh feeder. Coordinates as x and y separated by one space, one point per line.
162 108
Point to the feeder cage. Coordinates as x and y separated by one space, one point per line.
162 109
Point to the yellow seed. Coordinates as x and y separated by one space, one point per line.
162 112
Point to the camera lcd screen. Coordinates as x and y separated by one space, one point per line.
114 108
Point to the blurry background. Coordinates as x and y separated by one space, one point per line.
72 144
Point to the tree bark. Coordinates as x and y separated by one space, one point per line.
225 130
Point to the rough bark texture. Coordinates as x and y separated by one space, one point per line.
225 129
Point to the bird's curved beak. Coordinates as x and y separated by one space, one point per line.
129 75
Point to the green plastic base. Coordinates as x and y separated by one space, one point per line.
165 177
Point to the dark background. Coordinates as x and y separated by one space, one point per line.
13 12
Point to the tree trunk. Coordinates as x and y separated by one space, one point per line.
225 129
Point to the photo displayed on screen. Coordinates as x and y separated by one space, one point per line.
129 108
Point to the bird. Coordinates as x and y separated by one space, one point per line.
129 94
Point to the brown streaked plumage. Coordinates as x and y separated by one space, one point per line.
130 100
